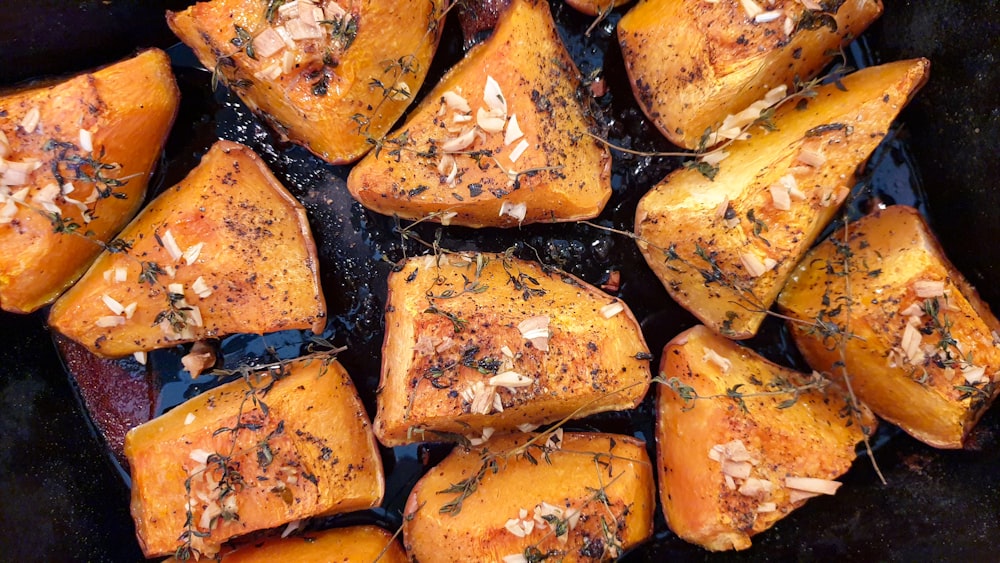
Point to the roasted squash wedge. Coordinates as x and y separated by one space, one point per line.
920 345
741 442
694 63
75 159
723 248
227 250
501 141
354 544
487 342
252 454
568 497
329 75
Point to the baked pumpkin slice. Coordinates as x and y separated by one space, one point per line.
352 544
570 496
270 448
698 68
501 141
483 343
227 250
330 75
724 246
741 442
75 159
919 343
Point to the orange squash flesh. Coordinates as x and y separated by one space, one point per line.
567 478
935 379
596 7
723 247
810 438
561 175
127 110
355 544
311 452
327 100
440 355
257 264
692 62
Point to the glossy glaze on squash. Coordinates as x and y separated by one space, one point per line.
693 62
227 250
924 350
590 498
308 451
813 437
324 95
494 342
124 112
531 161
724 247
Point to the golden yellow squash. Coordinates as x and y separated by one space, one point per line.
332 77
75 159
692 63
256 453
354 544
741 442
227 250
724 247
486 342
570 497
502 140
920 345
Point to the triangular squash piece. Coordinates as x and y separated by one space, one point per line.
923 347
327 74
488 342
76 156
741 442
299 436
692 63
227 250
501 141
723 248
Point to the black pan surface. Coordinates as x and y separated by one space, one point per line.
63 499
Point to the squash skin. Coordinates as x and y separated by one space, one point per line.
259 259
478 533
691 63
387 31
683 214
129 108
591 364
540 83
808 439
326 436
894 248
354 544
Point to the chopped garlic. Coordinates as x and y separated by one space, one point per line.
489 121
612 309
513 132
31 119
711 356
519 150
192 253
140 357
536 329
812 485
189 418
494 97
170 245
928 289
110 321
460 143
511 380
515 210
116 307
86 141
456 102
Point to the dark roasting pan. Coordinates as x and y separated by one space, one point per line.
63 498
